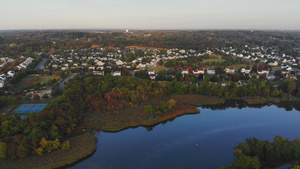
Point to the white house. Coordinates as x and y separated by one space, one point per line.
263 71
211 71
99 63
275 63
11 73
92 68
116 73
184 71
151 72
119 63
245 70
230 70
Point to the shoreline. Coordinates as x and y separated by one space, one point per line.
80 147
85 145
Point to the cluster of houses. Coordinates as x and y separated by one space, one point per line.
5 60
4 77
11 73
99 59
25 64
102 59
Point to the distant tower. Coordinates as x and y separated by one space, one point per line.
126 30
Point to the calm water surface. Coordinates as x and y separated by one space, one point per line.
201 141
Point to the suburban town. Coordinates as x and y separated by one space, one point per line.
57 89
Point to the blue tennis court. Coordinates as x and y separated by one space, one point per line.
28 108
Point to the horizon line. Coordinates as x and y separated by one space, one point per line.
137 29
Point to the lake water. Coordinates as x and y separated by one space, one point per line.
201 141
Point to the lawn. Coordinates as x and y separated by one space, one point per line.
31 80
217 58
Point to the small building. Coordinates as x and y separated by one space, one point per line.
185 71
116 73
275 63
263 71
11 73
211 71
152 77
2 77
230 70
245 70
98 73
199 71
151 72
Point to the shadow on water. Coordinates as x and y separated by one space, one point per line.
288 106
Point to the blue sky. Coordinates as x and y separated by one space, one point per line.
150 14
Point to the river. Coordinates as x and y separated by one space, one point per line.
201 141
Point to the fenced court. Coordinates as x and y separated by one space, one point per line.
28 108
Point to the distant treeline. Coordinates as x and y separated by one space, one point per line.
14 43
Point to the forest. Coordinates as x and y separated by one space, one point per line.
14 43
47 130
256 153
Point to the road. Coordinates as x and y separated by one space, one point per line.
62 83
40 65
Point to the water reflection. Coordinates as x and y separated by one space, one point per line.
288 106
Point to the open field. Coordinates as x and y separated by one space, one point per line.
159 68
217 58
31 80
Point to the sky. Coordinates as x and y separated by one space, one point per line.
150 14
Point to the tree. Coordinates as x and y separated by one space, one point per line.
66 145
3 150
45 96
36 97
245 162
179 88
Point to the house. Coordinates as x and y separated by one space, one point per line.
184 71
92 68
152 77
270 76
211 71
199 71
2 77
11 73
275 63
64 68
116 73
119 63
151 72
1 83
230 70
99 63
245 70
263 71
98 73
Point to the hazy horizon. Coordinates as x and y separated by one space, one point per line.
150 15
